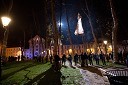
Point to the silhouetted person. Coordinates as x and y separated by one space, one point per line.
102 57
86 58
18 58
76 59
51 58
70 59
96 57
82 60
63 59
90 59
56 63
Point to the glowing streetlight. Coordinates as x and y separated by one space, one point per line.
5 22
70 51
105 42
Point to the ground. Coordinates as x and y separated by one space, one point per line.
35 73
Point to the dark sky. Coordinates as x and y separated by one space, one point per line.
28 17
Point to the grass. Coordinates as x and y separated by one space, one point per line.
24 76
11 68
70 76
29 72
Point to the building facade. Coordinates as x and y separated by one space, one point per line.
36 47
14 52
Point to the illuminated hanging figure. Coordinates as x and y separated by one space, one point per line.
79 29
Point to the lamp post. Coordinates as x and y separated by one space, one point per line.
105 42
5 22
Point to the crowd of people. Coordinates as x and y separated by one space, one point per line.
85 59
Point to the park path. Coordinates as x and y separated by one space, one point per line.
81 76
90 78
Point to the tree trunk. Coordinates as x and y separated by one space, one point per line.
54 27
46 25
114 32
92 30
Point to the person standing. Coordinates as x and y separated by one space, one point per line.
86 58
96 57
90 58
82 60
57 63
70 59
102 57
76 59
51 58
63 59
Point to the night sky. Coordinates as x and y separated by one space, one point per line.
28 17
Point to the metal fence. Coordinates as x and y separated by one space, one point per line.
118 76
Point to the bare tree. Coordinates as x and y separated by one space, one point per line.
92 29
114 31
54 26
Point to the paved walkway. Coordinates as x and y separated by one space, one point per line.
90 78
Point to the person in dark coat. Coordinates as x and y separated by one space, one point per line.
63 59
96 57
57 63
70 59
90 56
76 59
102 57
86 58
51 58
82 60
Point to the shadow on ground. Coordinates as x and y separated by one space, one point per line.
92 69
10 74
49 77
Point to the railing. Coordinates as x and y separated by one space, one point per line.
118 76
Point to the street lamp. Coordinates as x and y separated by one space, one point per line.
5 22
105 42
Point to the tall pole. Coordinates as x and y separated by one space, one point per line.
114 32
54 27
3 54
5 22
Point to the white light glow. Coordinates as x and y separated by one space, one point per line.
60 24
5 21
105 42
